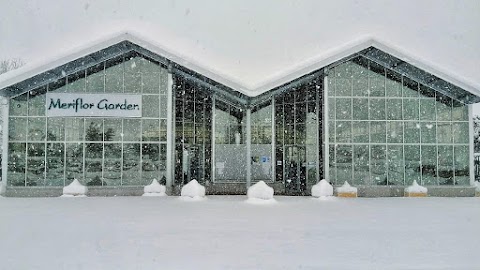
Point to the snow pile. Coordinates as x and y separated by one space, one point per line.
75 189
154 189
2 188
260 191
416 188
193 190
346 188
322 189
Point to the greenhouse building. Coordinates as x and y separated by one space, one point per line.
122 112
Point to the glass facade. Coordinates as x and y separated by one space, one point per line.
51 151
386 129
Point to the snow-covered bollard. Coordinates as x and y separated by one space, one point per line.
477 189
322 189
154 189
193 190
260 191
347 191
2 188
415 190
75 189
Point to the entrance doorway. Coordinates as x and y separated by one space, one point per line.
295 169
192 163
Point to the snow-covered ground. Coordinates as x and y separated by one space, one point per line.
225 232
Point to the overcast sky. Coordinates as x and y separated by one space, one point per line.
249 40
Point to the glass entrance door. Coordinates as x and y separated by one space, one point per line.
192 158
295 169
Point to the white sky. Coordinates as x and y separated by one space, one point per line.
251 41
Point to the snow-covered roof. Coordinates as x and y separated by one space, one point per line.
29 71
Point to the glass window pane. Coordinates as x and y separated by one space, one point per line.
445 165
344 108
360 131
378 164
410 109
395 165
76 83
16 164
114 76
74 163
444 108
459 112
427 109
331 108
410 88
131 130
412 164
93 164
360 108
35 164
394 132
460 132
462 173
393 84
377 109
133 83
18 105
377 80
360 77
344 86
429 165
394 109
151 130
444 132
131 164
361 169
150 163
344 164
36 129
163 106
112 172
378 132
55 129
332 165
344 131
412 132
74 129
151 83
36 102
95 79
163 81
150 106
55 164
17 129
93 129
429 132
113 129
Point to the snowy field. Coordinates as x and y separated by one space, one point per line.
225 232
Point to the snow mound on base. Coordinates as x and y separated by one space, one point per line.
416 188
75 189
193 190
2 188
260 191
154 189
322 189
476 184
346 188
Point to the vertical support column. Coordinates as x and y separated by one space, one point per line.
249 148
273 158
471 145
213 140
326 136
170 132
4 103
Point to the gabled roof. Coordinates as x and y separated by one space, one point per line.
32 75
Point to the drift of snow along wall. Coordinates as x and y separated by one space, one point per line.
124 119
